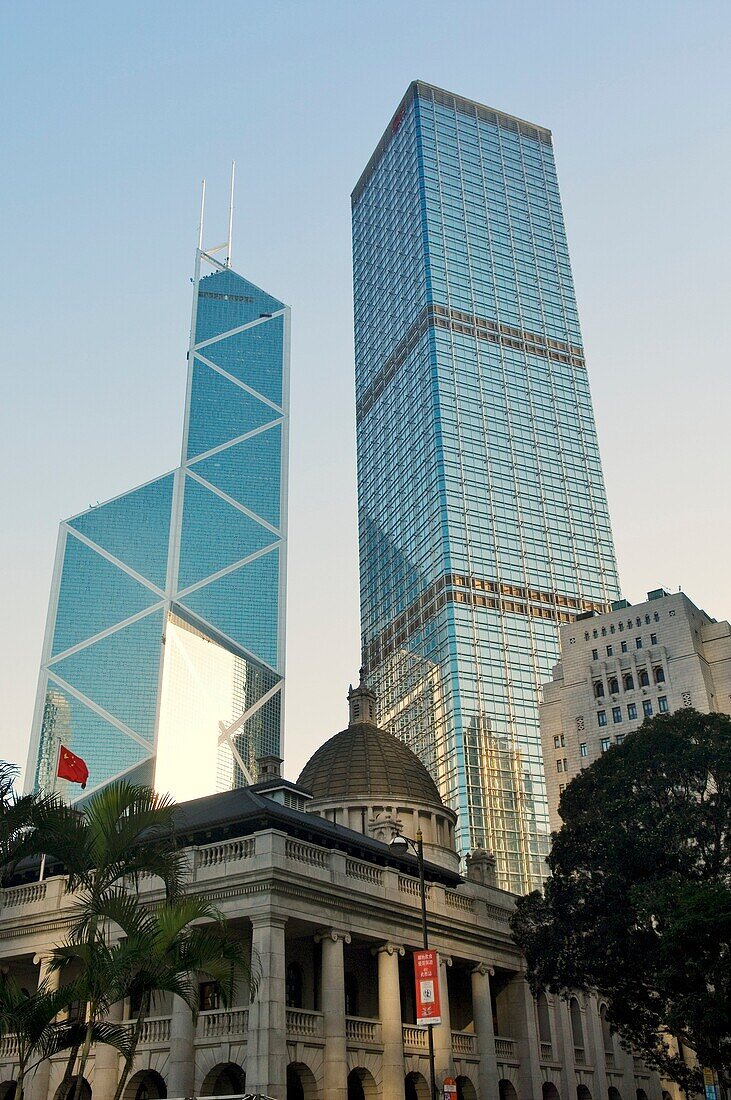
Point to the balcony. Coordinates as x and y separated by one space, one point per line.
8 1047
220 1023
464 1043
546 1052
360 1031
301 1021
415 1037
155 1030
579 1056
506 1049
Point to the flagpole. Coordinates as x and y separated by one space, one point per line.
57 739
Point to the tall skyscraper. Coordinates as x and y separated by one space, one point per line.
482 508
164 654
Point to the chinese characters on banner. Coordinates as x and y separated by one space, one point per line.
426 977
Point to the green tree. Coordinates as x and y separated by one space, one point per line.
25 820
638 905
32 1019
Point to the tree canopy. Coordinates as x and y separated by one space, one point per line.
638 905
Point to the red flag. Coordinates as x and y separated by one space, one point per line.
72 767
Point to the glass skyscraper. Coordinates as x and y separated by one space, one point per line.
482 508
164 654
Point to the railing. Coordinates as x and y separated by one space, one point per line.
497 913
215 854
366 872
156 1029
358 1029
8 1047
411 886
546 1052
307 853
300 1021
216 1022
505 1048
25 895
579 1056
464 1042
609 1059
459 901
415 1037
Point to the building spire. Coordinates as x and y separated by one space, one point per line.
362 703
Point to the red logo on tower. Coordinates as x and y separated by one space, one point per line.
426 977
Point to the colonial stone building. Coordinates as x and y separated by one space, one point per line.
305 874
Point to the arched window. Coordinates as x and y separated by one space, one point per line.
660 675
294 985
351 994
598 689
644 679
613 685
544 1021
577 1030
629 682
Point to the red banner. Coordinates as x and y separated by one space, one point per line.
72 767
426 977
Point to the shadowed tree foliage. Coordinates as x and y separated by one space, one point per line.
638 906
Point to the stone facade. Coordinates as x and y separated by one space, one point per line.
618 668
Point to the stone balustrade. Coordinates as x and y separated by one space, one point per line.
8 1047
546 1052
411 887
218 1023
32 894
301 1021
361 1031
415 1037
155 1029
609 1059
506 1048
459 901
310 854
579 1056
366 872
217 855
464 1042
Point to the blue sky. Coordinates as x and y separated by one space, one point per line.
114 112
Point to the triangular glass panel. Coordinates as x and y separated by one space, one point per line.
104 748
227 300
134 528
94 595
244 605
120 673
214 534
220 411
259 736
254 356
250 472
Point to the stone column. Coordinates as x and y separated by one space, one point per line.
485 1032
181 1065
333 1014
443 1060
106 1059
266 1058
389 1011
565 1039
37 1086
524 1027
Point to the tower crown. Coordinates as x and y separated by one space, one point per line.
362 704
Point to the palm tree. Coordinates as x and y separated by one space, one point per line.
123 832
32 1020
173 948
24 821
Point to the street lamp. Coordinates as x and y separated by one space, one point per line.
402 844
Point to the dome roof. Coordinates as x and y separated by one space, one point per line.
366 762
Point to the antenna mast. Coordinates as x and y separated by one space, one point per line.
231 213
200 223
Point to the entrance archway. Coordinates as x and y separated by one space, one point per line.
506 1090
7 1090
225 1079
615 1094
301 1083
361 1085
146 1085
550 1092
465 1089
68 1092
582 1093
416 1087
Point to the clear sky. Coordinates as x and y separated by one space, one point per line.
112 114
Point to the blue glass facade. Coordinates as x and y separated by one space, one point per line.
164 653
482 508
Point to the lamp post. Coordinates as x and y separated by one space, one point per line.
403 843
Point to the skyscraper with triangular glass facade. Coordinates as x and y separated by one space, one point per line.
164 654
482 508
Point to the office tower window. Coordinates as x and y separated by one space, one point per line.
616 714
583 749
643 678
604 744
595 654
629 682
613 685
469 371
631 711
601 717
659 673
647 708
624 647
653 639
610 651
598 689
559 765
656 617
662 704
619 738
638 642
